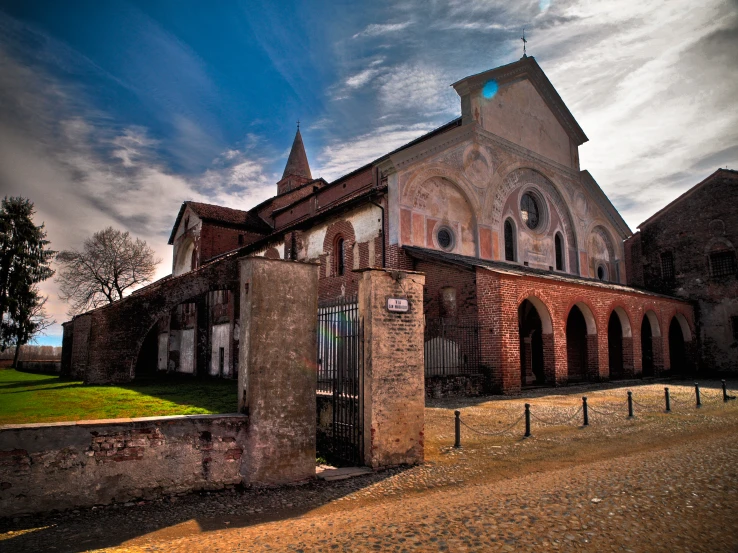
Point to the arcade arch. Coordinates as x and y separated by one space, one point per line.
650 336
535 330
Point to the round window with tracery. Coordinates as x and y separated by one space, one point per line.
529 211
445 238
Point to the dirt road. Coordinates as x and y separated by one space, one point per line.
659 482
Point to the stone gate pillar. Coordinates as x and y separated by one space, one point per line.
394 373
277 364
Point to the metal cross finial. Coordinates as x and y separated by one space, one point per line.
525 55
298 124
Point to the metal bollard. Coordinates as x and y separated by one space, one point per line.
667 399
457 443
585 411
527 420
697 394
725 392
630 405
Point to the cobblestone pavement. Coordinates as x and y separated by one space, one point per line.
659 482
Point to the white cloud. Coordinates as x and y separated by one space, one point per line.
343 156
376 29
363 77
421 89
83 177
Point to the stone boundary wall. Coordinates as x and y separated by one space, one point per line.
46 367
80 464
438 387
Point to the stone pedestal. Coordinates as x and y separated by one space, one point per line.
394 374
277 378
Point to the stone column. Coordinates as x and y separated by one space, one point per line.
277 364
394 374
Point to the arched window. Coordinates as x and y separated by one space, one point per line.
509 241
559 242
339 252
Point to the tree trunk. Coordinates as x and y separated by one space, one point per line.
16 356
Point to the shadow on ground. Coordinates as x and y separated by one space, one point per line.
174 516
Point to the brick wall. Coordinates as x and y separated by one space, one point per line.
394 393
215 240
106 341
463 283
499 295
81 464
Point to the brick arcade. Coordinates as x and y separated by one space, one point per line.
513 237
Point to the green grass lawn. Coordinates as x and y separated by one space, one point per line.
27 397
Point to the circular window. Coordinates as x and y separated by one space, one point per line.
529 211
445 237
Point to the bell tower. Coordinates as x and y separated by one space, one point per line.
297 171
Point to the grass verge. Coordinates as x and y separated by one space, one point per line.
28 398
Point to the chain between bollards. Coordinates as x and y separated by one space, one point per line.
527 420
585 412
630 405
457 442
667 399
697 394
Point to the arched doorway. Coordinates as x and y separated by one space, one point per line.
615 346
576 345
530 328
677 348
147 360
647 347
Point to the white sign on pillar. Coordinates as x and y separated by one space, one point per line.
398 305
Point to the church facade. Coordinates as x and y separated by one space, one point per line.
526 282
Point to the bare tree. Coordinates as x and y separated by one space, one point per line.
110 263
33 320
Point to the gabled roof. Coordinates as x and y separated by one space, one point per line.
527 68
720 172
224 216
297 163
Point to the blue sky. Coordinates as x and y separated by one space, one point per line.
114 112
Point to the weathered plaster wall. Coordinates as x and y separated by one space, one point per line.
80 464
277 376
518 113
490 174
186 241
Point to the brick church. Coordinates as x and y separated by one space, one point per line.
526 280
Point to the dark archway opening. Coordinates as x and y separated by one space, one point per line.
615 346
531 345
146 362
647 347
576 345
677 349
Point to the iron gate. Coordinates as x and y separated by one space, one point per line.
341 382
451 348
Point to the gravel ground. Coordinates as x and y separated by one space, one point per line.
658 482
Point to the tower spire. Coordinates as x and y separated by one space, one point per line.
297 170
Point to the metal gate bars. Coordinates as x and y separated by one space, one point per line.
341 381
